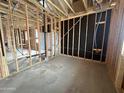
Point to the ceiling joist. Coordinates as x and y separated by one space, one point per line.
85 4
63 7
69 6
56 7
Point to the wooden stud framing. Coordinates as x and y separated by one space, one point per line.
28 33
20 35
86 36
9 33
17 38
94 34
79 37
34 29
63 36
2 75
59 41
103 36
55 37
52 37
13 18
46 29
13 37
73 37
68 39
4 66
39 36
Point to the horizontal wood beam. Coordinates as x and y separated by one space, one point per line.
86 13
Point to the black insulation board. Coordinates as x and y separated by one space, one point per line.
62 37
106 34
83 36
70 36
90 34
89 37
76 36
98 41
65 36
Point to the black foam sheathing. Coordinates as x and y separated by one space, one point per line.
82 36
90 34
65 36
106 34
89 38
70 36
62 37
98 41
76 36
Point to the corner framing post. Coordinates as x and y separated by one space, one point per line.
28 33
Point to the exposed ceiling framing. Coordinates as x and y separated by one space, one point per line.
69 6
49 1
85 4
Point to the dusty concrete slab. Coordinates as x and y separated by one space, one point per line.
60 75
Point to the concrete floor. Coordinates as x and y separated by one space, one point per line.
60 75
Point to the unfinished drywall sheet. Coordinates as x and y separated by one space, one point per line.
86 36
